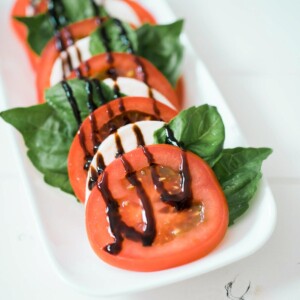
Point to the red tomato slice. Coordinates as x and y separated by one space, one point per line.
19 9
141 12
180 236
117 113
78 31
126 65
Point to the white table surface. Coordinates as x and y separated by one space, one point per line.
252 49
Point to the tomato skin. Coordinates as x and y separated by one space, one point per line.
78 30
19 10
141 12
184 248
76 157
125 65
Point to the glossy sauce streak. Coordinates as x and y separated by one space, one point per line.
76 112
119 229
181 200
112 72
140 66
120 149
58 21
139 135
95 172
92 106
69 94
100 165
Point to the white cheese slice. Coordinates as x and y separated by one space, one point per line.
137 88
108 148
82 46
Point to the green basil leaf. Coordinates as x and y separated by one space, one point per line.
117 41
48 129
161 45
47 138
56 97
200 130
239 172
40 29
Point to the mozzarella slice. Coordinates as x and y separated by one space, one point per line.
134 87
129 140
81 46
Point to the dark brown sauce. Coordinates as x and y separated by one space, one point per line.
89 91
99 91
120 149
121 119
76 112
181 200
95 172
74 105
100 165
119 229
139 136
63 38
170 138
140 66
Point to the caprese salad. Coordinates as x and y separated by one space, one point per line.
158 187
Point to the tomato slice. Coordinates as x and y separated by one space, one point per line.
19 9
117 212
104 121
78 31
128 65
141 12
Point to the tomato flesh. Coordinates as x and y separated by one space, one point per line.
141 12
19 9
136 108
49 55
126 65
181 236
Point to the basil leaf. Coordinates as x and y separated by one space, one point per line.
40 29
56 97
200 130
161 45
48 139
117 41
48 129
239 171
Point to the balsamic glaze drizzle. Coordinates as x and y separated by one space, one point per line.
89 90
170 138
95 172
179 201
120 149
119 229
139 136
58 20
100 165
69 94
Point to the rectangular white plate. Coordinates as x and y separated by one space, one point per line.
60 218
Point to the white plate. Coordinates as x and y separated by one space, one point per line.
60 218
